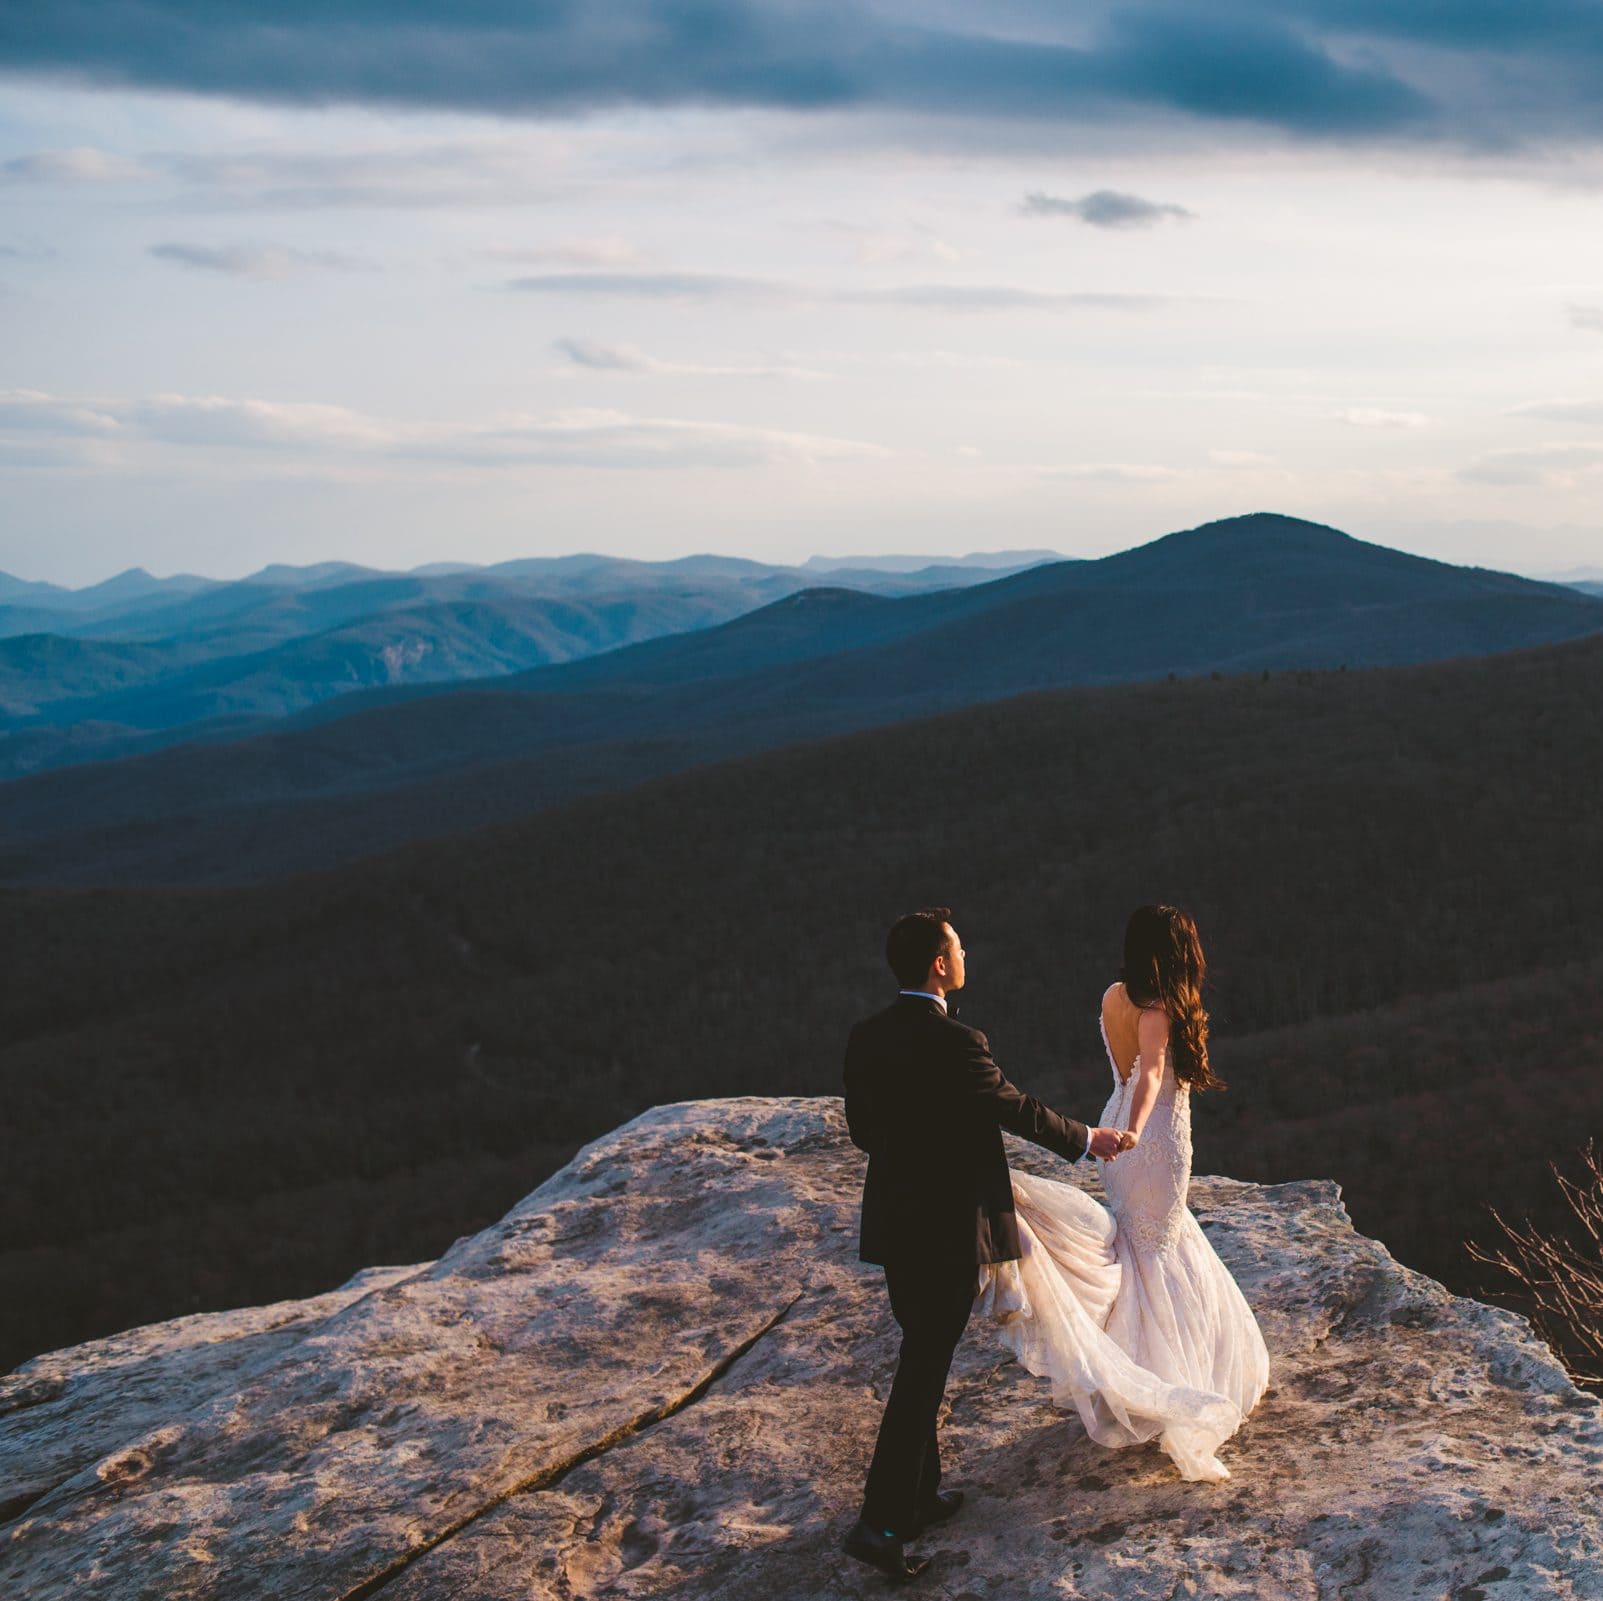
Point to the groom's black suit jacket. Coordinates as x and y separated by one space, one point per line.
928 1104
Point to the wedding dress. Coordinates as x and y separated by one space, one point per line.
1127 1309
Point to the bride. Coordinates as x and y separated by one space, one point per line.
1127 1310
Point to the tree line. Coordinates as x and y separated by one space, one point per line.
224 1097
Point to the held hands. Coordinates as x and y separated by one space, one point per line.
1107 1143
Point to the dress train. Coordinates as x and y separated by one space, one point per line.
1127 1309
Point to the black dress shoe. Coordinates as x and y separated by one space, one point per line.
882 1551
944 1506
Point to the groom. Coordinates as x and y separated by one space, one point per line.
928 1104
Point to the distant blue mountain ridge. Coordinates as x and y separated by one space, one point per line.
83 672
242 795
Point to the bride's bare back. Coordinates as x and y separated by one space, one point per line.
1121 1019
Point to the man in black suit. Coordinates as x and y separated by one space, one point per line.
928 1104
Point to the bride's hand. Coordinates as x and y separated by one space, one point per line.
1104 1143
1127 1140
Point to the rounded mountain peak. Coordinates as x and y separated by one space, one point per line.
1261 528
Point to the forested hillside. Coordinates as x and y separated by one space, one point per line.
379 768
224 1096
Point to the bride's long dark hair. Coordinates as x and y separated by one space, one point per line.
1164 966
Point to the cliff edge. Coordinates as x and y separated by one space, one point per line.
660 1375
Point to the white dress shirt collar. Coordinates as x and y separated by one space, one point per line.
940 1000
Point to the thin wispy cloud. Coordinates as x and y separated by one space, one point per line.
1578 411
874 245
81 165
1377 417
591 253
32 411
597 356
598 438
923 356
918 297
581 436
1000 297
257 261
1588 317
1105 208
600 357
1118 472
260 424
1561 466
655 285
401 176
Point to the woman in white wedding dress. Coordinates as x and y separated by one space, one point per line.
1127 1309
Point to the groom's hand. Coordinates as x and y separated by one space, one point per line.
1105 1143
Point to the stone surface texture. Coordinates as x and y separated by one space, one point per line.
660 1375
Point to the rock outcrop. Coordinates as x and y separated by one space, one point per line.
660 1375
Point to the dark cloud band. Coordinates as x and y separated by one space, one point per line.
1478 71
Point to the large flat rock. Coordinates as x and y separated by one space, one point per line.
660 1374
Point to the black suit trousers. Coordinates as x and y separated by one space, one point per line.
931 1301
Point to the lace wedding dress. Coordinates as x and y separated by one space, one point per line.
1128 1309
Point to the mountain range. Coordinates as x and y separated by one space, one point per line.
376 768
138 662
227 1095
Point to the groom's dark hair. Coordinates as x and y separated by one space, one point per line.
914 942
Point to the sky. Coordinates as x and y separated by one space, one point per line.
412 282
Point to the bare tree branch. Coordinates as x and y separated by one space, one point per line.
1562 1281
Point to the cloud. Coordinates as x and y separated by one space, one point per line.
1242 63
598 438
997 297
579 437
1582 411
1118 472
873 245
596 356
654 285
605 358
81 165
32 411
1553 466
1240 458
257 261
1104 208
1485 74
397 177
1374 417
1587 317
260 424
925 356
592 253
920 297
